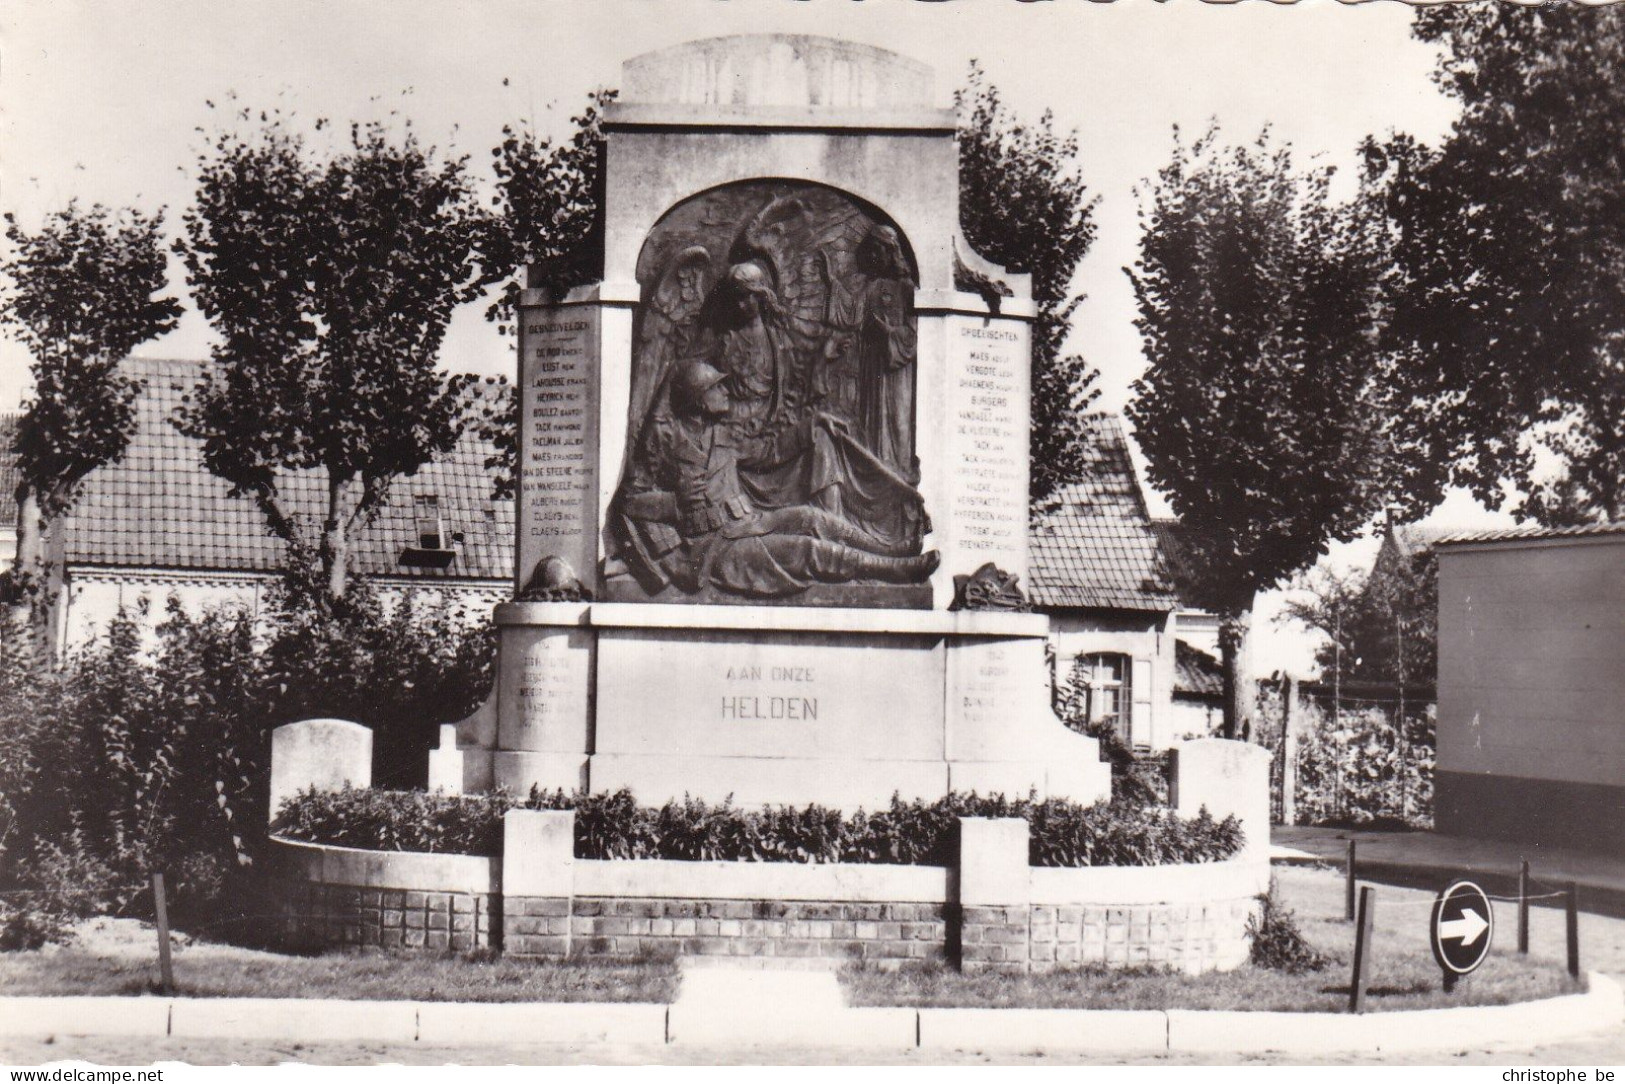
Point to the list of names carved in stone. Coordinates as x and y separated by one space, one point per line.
558 456
990 491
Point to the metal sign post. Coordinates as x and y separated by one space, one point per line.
1461 930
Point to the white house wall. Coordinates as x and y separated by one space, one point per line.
1146 639
93 598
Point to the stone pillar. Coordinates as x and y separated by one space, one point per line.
538 881
446 762
994 916
326 754
1228 777
557 486
973 433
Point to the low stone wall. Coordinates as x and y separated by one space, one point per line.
1193 918
340 896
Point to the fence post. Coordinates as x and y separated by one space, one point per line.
1573 916
1289 754
1348 887
1523 906
1362 950
161 915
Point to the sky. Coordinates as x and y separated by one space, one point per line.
110 101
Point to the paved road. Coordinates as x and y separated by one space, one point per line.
1429 860
1603 1052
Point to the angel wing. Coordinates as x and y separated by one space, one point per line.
669 329
806 243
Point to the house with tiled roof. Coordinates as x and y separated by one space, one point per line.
157 523
1098 568
8 489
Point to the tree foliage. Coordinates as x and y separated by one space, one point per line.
548 216
1509 292
1023 205
1380 628
82 291
1261 412
331 283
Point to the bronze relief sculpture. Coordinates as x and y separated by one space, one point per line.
771 439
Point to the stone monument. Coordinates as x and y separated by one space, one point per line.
758 455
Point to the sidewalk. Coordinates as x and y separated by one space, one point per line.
1429 860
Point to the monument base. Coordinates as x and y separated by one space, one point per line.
841 707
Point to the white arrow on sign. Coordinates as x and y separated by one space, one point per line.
1466 929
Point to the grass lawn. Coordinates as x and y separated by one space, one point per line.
121 958
1403 974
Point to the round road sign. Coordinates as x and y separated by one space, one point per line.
1462 928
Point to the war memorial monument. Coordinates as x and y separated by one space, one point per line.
757 457
772 520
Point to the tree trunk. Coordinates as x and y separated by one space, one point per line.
28 572
1238 684
336 535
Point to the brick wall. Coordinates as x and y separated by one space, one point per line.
991 911
336 914
885 933
1194 937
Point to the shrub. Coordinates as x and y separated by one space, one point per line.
613 825
26 924
1277 943
147 749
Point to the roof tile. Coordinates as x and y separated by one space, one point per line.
159 507
1094 547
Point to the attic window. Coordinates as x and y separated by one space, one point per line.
435 539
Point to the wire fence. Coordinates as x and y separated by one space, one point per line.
1348 760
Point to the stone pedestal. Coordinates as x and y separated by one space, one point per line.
843 708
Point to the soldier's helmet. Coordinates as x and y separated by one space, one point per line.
692 382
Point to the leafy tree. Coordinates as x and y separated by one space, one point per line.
149 752
82 292
1509 292
331 284
1023 205
1261 413
1381 627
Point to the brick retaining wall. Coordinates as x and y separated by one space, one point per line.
785 929
1006 917
349 915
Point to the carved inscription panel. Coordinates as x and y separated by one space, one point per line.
545 680
801 695
998 691
558 438
989 364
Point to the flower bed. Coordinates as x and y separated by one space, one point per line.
614 826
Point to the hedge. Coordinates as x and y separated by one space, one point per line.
614 826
